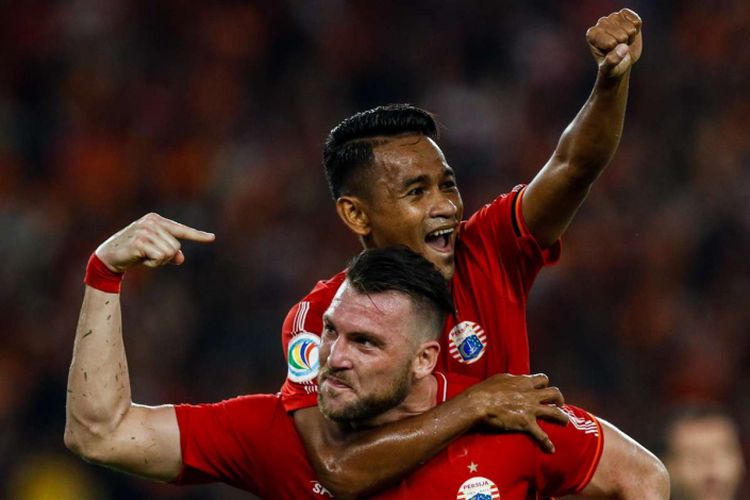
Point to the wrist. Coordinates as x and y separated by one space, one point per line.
605 82
474 405
101 277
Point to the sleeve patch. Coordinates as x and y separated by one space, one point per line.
303 357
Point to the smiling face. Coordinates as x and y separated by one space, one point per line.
367 354
412 200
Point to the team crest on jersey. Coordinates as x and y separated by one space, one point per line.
478 488
468 342
302 357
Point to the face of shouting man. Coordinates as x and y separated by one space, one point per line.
409 197
372 352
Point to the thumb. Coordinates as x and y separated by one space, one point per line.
617 62
178 259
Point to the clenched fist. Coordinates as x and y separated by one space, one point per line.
151 241
616 42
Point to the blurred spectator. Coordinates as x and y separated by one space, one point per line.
703 454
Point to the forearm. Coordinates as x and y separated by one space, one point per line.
591 139
585 148
361 463
98 382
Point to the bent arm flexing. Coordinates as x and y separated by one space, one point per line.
103 425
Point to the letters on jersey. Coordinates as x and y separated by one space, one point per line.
468 342
478 488
302 357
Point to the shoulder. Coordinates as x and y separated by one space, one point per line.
502 208
313 305
323 291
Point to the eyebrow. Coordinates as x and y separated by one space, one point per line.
421 179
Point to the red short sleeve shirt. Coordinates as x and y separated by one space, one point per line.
250 442
497 261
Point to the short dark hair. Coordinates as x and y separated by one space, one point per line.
398 268
349 146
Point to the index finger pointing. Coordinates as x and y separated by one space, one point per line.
184 232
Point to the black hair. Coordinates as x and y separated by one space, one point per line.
400 269
349 146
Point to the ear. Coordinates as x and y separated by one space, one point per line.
426 359
351 211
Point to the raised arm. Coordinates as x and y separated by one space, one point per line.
627 470
361 463
102 424
589 142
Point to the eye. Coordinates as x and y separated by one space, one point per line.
328 331
364 341
417 191
448 185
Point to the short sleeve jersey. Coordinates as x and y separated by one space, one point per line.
497 260
250 442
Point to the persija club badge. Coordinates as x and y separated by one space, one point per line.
478 488
468 342
302 357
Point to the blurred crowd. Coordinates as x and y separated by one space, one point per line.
214 114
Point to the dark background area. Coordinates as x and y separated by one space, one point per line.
214 114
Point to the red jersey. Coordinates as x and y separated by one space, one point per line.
250 442
496 259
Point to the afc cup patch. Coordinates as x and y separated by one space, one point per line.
478 488
468 342
302 357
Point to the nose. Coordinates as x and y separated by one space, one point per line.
335 355
444 207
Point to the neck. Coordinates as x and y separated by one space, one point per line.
422 397
366 242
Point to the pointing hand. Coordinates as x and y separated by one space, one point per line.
151 241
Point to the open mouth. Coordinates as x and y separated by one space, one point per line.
440 239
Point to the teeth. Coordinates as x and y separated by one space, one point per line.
441 232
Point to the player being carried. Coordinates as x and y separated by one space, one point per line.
393 185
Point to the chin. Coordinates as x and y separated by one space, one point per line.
447 269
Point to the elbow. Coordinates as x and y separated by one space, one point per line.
651 482
657 481
81 444
343 485
333 479
87 441
72 442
